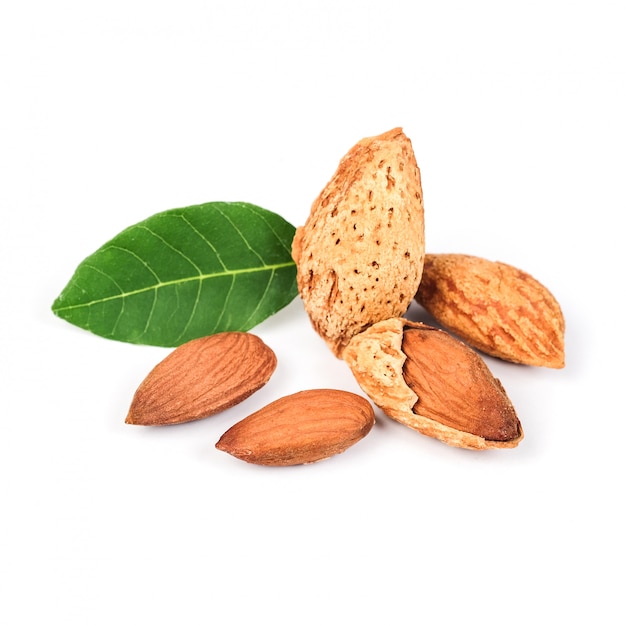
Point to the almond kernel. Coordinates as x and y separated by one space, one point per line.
304 427
454 386
202 377
445 391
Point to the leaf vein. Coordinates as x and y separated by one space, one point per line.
172 247
90 304
243 237
208 243
271 227
169 283
261 299
225 305
192 313
150 315
133 254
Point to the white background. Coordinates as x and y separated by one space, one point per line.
113 111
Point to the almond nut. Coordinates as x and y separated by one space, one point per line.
470 399
428 380
304 427
360 253
494 307
202 377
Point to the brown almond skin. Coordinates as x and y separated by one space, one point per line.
494 307
360 253
304 427
454 386
202 377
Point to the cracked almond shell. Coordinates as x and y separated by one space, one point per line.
360 253
458 402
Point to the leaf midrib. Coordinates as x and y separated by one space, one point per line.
178 281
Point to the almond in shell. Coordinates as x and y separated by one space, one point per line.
494 307
360 253
426 379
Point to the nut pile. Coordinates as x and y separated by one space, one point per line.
361 262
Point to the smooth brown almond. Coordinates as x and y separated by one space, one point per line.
454 386
304 427
360 253
201 378
441 388
494 307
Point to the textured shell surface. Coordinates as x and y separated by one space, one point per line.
360 253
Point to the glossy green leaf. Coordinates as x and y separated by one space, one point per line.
184 273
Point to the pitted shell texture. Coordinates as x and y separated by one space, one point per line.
360 253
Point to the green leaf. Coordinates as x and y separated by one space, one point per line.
184 273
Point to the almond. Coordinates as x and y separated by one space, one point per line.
426 379
304 427
494 307
201 378
360 253
455 388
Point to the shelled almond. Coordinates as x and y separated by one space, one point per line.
202 377
304 427
428 380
